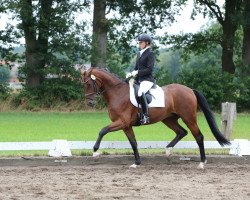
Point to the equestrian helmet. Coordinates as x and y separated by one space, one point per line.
145 38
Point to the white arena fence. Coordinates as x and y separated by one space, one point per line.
238 146
5 146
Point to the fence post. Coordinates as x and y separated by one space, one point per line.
228 114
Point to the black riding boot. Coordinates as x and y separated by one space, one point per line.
144 107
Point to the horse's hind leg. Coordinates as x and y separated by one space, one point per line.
172 123
192 125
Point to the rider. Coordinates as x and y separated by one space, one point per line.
143 72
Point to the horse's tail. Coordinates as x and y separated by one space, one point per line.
210 118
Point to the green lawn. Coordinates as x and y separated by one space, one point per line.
75 126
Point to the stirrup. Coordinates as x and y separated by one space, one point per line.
144 119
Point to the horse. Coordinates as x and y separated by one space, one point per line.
180 102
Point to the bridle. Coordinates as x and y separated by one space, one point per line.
96 87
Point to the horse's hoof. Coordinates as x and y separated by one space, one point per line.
169 151
134 166
96 155
201 165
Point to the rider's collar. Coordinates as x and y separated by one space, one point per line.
141 51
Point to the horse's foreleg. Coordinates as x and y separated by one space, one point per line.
131 137
117 125
103 132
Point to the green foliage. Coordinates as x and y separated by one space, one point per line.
195 44
52 92
115 61
217 86
4 74
169 61
68 43
62 84
243 93
58 45
4 79
139 17
162 76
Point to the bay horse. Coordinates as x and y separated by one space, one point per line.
180 102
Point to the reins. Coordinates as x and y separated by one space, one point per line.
96 87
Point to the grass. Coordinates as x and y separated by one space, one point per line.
84 126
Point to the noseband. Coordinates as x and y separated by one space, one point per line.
95 88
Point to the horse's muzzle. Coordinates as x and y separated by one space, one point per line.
91 103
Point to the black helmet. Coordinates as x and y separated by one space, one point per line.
145 38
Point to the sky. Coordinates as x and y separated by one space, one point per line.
3 20
183 22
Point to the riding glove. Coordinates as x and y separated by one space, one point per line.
128 75
134 73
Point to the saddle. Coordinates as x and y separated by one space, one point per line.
155 96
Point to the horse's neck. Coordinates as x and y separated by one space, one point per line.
107 80
117 95
115 89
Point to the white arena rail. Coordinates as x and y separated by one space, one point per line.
238 146
5 146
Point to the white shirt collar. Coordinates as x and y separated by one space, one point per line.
142 51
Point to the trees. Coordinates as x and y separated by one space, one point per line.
229 25
246 34
55 41
48 27
4 78
128 19
4 74
232 17
36 33
99 36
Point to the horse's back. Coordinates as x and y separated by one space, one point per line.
179 97
176 88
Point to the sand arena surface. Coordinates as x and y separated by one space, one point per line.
106 181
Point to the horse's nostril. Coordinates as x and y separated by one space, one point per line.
91 104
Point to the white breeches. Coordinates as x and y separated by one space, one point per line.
144 87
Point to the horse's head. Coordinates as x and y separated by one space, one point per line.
91 86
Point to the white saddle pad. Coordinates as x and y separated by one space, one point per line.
158 98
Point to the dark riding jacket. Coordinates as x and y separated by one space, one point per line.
144 65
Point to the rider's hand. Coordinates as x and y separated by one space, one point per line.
128 75
134 73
